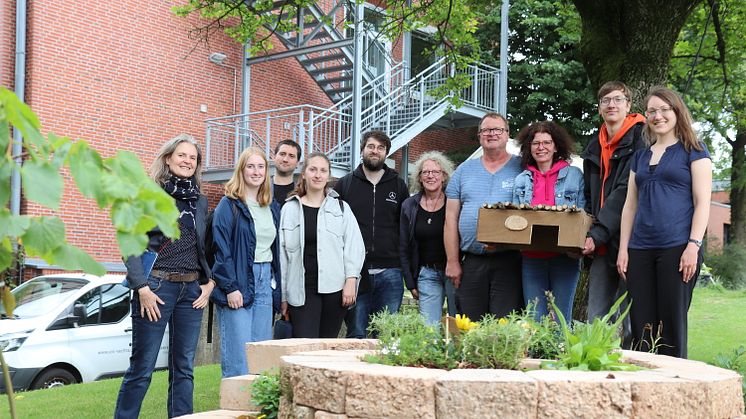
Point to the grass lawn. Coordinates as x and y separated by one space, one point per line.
716 322
97 400
716 325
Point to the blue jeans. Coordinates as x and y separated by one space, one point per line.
558 274
183 327
387 289
246 324
433 287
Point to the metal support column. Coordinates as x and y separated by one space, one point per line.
357 88
502 106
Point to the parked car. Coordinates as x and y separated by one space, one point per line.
68 328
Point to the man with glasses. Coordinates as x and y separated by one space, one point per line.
486 280
606 163
375 194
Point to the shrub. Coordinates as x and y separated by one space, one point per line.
265 393
496 343
730 266
734 360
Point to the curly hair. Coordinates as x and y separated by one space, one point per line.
562 141
446 165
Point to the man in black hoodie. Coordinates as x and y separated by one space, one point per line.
606 163
375 193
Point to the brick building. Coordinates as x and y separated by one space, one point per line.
127 75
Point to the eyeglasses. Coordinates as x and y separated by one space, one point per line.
545 143
664 110
431 172
373 147
493 131
618 100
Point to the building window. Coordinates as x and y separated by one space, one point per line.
726 234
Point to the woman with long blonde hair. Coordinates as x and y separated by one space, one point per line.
246 266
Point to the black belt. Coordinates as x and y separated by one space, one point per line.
438 266
175 276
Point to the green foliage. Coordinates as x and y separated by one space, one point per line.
405 339
546 76
729 266
546 341
592 346
265 393
734 360
497 343
137 204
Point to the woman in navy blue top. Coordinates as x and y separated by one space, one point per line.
663 223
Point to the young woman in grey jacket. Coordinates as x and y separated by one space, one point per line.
321 254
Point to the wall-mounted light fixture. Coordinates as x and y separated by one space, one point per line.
219 59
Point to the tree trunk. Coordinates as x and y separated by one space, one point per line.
630 41
738 189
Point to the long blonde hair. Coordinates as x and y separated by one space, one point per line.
236 187
159 171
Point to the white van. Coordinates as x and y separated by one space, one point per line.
68 328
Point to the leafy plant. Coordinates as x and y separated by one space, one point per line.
497 343
546 340
405 339
728 266
734 360
265 393
594 346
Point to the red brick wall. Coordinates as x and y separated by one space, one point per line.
719 216
439 140
7 42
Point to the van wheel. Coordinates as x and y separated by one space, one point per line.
55 377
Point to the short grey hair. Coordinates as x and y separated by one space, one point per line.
446 165
159 170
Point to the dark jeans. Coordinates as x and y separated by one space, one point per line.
660 298
490 283
320 317
387 290
183 327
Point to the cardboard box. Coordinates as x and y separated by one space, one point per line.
526 229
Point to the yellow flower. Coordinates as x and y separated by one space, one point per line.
503 321
464 323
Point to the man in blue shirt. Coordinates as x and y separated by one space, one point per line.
486 280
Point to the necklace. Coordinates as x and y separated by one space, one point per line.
432 207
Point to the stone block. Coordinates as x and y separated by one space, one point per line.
320 414
320 387
571 394
235 393
265 355
303 412
484 393
381 391
218 414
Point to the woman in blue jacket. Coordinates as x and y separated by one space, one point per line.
246 265
316 227
175 291
549 179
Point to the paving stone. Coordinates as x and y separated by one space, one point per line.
235 393
484 393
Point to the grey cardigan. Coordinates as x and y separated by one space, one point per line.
339 246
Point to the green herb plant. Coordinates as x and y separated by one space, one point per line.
265 393
594 346
497 343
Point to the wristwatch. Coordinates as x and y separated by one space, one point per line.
697 242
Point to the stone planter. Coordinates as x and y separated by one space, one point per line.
337 384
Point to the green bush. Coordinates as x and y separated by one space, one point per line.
265 393
734 360
729 266
496 343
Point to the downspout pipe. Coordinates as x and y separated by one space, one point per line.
20 89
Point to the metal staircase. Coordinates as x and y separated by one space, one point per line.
400 106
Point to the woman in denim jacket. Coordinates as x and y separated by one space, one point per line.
548 180
321 254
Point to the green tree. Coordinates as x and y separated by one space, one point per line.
709 68
631 41
546 77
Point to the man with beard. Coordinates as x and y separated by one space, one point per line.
606 163
487 281
287 154
375 194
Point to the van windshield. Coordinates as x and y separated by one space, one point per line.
40 295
